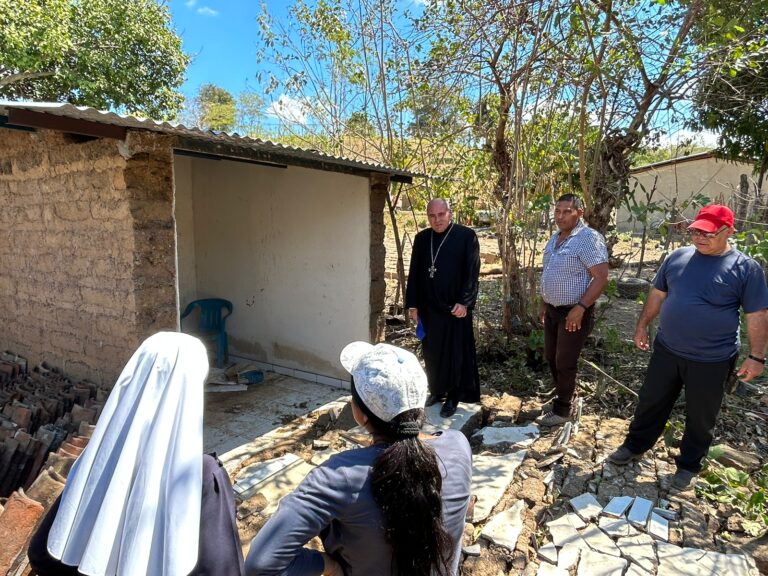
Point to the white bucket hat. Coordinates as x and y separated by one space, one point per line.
388 379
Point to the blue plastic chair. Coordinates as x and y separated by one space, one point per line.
211 324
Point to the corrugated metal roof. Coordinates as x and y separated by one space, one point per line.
263 146
679 160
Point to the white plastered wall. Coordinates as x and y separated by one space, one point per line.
716 179
289 247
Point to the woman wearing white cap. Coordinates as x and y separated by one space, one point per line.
142 499
396 507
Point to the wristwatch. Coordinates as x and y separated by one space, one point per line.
756 359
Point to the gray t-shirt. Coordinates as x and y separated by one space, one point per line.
699 318
335 501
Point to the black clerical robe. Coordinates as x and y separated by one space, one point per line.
449 344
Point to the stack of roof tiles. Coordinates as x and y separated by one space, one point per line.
45 423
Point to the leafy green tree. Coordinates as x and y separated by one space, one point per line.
109 54
731 99
216 108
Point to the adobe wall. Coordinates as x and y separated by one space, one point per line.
87 249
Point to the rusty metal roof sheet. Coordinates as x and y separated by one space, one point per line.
267 147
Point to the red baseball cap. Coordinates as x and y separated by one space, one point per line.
713 217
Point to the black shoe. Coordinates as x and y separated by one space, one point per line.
432 399
623 456
449 408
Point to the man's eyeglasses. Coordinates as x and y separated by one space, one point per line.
696 232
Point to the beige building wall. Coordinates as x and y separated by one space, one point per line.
87 257
716 179
289 247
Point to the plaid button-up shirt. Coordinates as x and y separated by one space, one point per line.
566 267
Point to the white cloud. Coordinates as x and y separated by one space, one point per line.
205 11
190 3
682 137
289 110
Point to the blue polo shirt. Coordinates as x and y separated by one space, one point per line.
699 318
566 267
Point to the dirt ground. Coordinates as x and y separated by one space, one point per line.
724 514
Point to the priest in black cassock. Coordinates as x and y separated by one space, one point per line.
441 292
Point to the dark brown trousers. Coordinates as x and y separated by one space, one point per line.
562 350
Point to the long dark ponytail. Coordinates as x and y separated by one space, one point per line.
407 485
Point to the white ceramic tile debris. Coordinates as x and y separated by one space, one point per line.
730 564
491 475
599 541
616 527
551 570
638 514
520 436
249 477
563 532
596 564
505 527
569 555
436 422
548 552
281 484
635 570
658 527
569 519
618 505
664 513
586 506
639 549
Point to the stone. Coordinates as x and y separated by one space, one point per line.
597 564
586 506
473 550
617 506
532 490
739 459
616 527
598 541
506 409
504 528
639 549
695 529
518 436
319 444
548 552
491 476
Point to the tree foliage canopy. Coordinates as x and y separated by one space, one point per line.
119 54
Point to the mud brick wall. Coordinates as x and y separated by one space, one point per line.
378 254
87 248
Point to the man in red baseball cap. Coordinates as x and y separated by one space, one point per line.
697 294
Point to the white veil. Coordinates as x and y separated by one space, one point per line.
131 504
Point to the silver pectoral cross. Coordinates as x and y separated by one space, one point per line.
432 271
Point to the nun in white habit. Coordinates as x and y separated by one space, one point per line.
142 499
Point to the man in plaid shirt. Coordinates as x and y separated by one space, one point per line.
575 274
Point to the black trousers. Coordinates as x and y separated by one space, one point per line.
704 389
562 350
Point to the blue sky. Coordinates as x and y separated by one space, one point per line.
220 35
